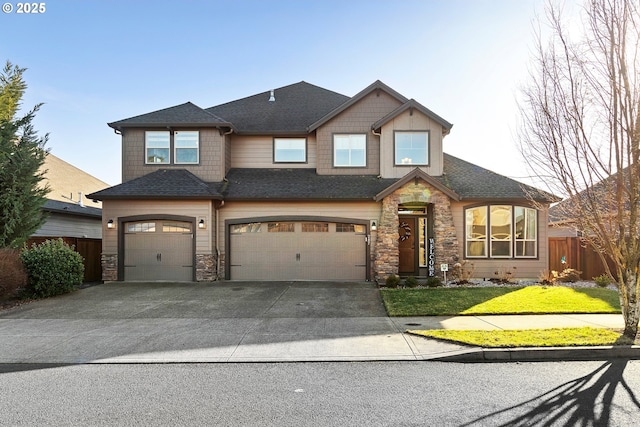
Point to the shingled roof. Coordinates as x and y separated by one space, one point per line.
184 115
287 184
161 184
464 180
295 107
471 181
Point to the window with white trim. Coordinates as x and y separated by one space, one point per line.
411 147
350 150
289 150
158 147
186 146
501 231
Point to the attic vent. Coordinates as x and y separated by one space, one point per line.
272 97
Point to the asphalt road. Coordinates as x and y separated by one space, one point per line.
323 394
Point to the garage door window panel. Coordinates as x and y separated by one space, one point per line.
254 227
315 227
281 227
176 228
350 228
141 227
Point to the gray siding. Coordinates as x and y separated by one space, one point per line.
60 225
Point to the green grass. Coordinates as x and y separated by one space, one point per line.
558 337
499 300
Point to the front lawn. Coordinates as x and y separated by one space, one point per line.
557 337
499 300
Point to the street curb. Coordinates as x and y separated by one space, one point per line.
541 354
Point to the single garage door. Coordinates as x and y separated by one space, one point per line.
298 251
158 250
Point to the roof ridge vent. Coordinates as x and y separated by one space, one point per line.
272 97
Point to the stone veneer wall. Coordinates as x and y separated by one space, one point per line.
205 267
109 267
386 258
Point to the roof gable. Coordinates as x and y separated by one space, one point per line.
294 107
375 86
410 105
417 174
186 115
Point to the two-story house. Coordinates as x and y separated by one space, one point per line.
303 183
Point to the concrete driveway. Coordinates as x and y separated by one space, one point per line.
207 322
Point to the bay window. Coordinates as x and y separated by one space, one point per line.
501 231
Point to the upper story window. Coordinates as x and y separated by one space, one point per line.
157 146
289 150
186 146
350 150
411 148
501 231
160 144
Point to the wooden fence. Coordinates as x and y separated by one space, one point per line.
576 255
89 249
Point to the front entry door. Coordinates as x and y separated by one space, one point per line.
407 229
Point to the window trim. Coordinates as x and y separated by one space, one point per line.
514 241
172 149
395 147
306 150
349 134
147 147
176 148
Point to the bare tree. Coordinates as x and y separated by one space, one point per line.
580 132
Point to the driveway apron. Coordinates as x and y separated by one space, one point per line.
122 322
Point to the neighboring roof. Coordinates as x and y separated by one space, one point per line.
413 104
56 206
377 85
183 115
294 108
161 184
471 181
304 184
66 181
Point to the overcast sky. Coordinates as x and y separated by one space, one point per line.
93 62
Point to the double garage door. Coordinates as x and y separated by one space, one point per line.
158 250
298 250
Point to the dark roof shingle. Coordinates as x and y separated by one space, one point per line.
161 184
295 107
187 114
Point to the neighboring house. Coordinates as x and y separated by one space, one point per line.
69 212
302 183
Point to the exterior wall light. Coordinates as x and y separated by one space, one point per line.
201 224
374 225
110 224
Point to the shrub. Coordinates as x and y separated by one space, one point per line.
602 280
392 281
12 275
503 274
411 282
434 282
462 272
547 277
569 275
53 268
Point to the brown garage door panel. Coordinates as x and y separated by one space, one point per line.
158 256
298 255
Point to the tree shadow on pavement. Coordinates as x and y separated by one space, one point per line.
584 401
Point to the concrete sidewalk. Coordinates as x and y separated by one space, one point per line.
254 322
